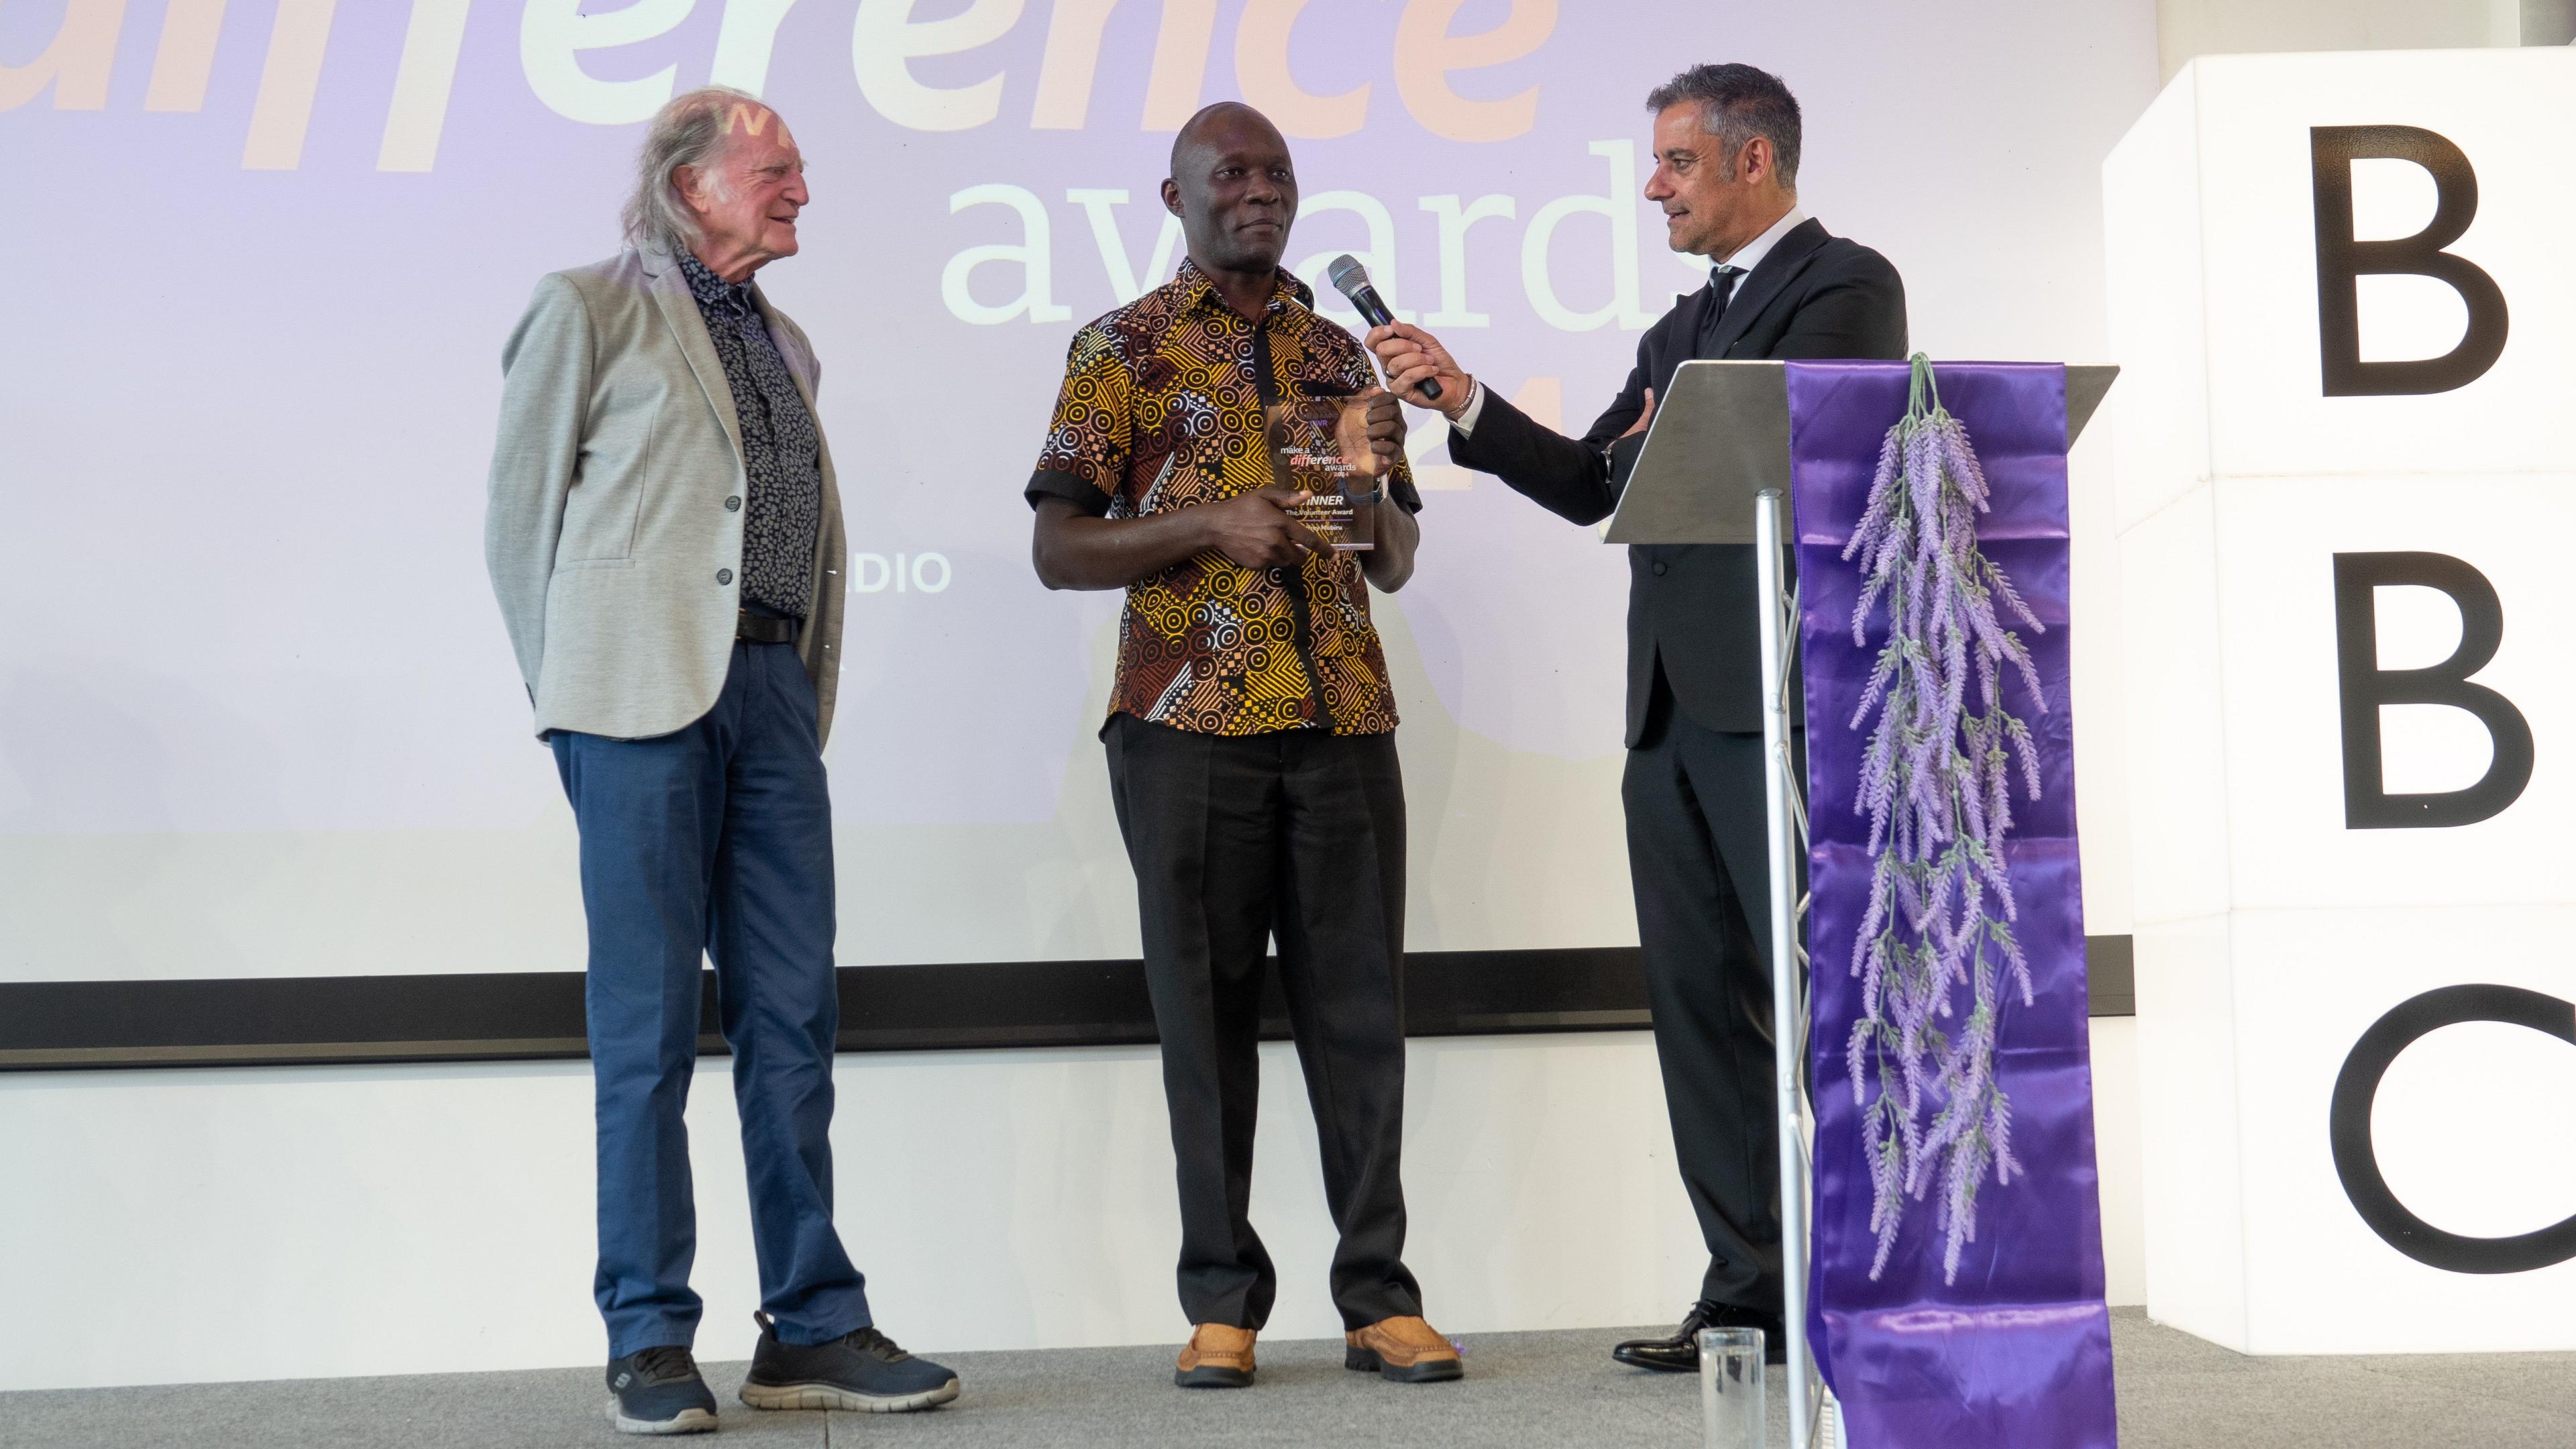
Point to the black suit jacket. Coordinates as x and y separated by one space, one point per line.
1814 295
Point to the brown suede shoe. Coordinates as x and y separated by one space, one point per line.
1218 1357
1406 1350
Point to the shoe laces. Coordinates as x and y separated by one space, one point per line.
668 1363
869 1341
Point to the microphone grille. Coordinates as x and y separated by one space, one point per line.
1346 274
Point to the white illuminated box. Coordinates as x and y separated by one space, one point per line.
2271 932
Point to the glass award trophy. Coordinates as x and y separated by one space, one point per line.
1320 445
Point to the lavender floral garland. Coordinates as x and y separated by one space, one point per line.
1935 783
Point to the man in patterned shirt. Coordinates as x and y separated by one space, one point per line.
665 540
1251 738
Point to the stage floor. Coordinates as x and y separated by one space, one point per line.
2176 1392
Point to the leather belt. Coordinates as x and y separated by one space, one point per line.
754 628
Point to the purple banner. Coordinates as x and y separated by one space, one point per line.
2017 1349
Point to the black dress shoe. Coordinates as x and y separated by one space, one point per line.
1679 1354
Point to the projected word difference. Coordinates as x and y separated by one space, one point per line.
562 49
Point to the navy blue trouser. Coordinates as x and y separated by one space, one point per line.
715 840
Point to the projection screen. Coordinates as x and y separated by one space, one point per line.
258 718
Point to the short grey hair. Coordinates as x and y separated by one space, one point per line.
1737 103
688 131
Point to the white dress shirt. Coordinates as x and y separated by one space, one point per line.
1743 259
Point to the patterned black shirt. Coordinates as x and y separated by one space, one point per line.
782 456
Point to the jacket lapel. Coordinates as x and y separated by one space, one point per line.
1787 259
1684 337
689 329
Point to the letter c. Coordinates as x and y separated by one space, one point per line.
2357 1162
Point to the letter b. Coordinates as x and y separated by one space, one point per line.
2343 261
2365 686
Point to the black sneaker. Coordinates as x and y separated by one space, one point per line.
860 1372
658 1391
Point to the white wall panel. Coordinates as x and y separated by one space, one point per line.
172 1227
2271 933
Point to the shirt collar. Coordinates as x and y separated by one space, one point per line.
1198 288
1750 255
712 291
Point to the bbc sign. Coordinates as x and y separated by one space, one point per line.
2346 496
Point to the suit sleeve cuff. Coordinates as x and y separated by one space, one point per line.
1465 423
1622 455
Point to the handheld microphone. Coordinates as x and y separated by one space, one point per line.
1352 280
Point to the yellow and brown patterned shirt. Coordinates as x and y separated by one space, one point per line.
1162 409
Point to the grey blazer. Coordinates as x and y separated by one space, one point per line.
612 549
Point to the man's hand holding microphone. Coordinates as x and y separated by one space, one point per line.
1411 357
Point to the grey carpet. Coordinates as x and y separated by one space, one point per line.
2176 1392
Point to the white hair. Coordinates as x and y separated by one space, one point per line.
690 130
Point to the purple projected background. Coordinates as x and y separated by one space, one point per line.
247 385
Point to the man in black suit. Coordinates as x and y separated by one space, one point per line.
1726 154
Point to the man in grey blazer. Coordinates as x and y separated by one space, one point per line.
665 539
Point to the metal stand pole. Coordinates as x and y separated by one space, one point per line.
1788 1018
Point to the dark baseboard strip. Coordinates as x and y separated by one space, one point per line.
534 1016
296 1054
2111 974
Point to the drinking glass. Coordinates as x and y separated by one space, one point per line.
1730 1388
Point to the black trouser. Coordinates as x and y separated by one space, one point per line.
1702 873
1297 836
